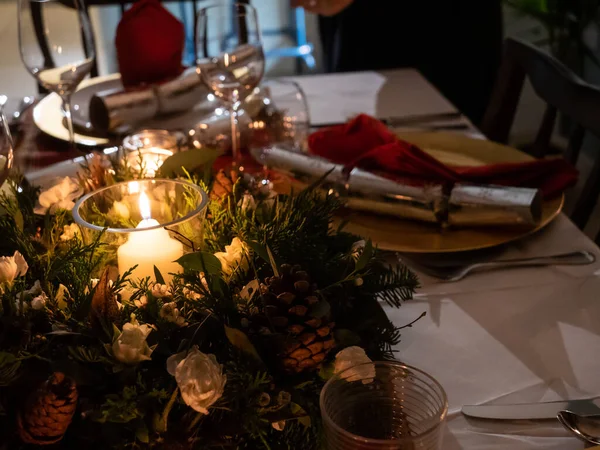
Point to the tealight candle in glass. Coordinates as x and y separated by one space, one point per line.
144 223
146 151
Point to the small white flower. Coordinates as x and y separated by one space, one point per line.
60 196
234 256
36 289
70 231
141 302
12 267
160 290
130 346
39 302
199 376
27 294
120 210
171 313
191 295
354 362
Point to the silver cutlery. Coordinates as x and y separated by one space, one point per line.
533 411
416 119
586 428
458 272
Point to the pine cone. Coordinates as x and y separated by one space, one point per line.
104 310
223 185
292 310
48 411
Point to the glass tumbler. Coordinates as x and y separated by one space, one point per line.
279 115
383 405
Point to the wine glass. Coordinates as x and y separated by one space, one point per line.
230 59
6 149
50 52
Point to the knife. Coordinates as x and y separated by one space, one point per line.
532 411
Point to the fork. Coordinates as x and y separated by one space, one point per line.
458 272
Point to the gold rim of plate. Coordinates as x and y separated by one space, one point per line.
417 237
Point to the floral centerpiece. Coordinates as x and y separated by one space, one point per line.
232 353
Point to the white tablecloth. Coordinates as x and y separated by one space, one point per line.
522 335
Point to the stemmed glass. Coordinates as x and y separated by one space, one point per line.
6 149
49 52
230 57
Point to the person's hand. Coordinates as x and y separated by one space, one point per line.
322 7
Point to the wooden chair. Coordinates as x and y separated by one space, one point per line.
563 92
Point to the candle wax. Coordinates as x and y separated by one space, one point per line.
150 248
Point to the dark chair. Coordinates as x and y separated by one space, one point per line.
563 92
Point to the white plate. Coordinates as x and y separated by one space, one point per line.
48 116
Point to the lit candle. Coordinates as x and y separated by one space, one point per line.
150 248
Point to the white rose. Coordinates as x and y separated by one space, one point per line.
69 232
234 256
12 267
199 377
357 362
60 196
39 302
130 346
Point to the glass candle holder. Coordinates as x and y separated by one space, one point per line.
144 223
383 405
146 150
279 115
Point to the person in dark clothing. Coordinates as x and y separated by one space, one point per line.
455 44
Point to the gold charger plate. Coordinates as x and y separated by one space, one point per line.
416 237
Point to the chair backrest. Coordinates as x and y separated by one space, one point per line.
563 92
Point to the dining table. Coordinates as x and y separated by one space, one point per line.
519 335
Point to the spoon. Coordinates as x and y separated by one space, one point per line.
586 428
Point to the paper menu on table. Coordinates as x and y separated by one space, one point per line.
334 98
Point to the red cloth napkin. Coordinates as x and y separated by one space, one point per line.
149 44
366 142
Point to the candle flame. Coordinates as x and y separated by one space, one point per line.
134 187
145 206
